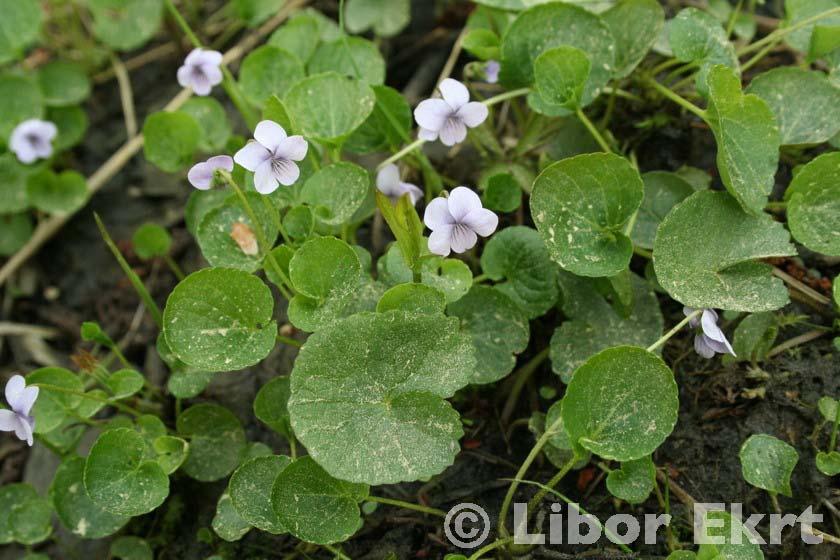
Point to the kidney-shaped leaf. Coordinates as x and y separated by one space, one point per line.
767 463
663 190
412 298
560 74
171 140
706 252
581 206
367 395
621 404
697 36
634 481
354 56
814 204
336 192
25 517
635 25
271 406
216 438
328 107
268 71
251 487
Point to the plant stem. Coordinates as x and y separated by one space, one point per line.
492 546
688 105
182 23
758 56
779 33
289 341
672 332
408 149
775 501
521 376
833 441
593 131
117 405
407 505
733 18
490 101
338 554
173 266
661 67
138 285
549 486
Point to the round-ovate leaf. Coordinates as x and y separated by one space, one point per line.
814 204
251 488
299 36
697 36
20 99
367 395
413 298
621 404
150 241
24 515
271 406
77 512
13 179
314 506
57 193
219 319
328 107
560 74
581 206
706 251
216 438
118 476
635 26
269 71
17 229
124 383
52 407
211 117
354 56
634 481
19 27
125 24
767 463
227 523
388 125
663 190
63 83
336 192
171 140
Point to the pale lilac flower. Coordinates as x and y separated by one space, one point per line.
201 71
20 399
32 140
448 118
272 157
712 340
201 174
491 71
456 220
388 182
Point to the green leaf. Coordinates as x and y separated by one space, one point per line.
299 36
502 194
634 482
558 449
407 228
825 39
211 117
747 139
227 523
682 555
754 336
17 229
805 103
171 140
451 276
171 452
72 123
621 404
52 407
19 27
57 193
367 396
581 206
828 463
299 222
251 490
706 251
20 99
77 512
336 192
518 257
269 71
271 406
63 83
125 382
314 506
828 408
482 43
13 179
388 126
131 548
254 12
215 232
663 190
799 10
329 107
216 438
696 36
219 319
353 56
126 24
386 17
498 328
721 525
200 204
635 25
767 463
151 240
594 325
543 27
412 298
24 515
561 74
325 272
120 479
814 204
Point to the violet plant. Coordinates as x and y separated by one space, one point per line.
389 339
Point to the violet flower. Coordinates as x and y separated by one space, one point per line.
448 118
272 157
712 340
32 140
201 71
456 221
201 174
20 399
491 71
388 182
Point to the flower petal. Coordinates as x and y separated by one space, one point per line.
437 214
482 221
213 74
388 179
221 162
25 152
23 429
414 192
286 171
207 58
200 83
251 156
264 180
269 134
454 93
462 238
184 73
491 71
8 420
427 135
293 148
708 320
694 322
14 390
702 347
439 241
453 132
200 176
462 201
194 57
473 113
26 400
431 114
